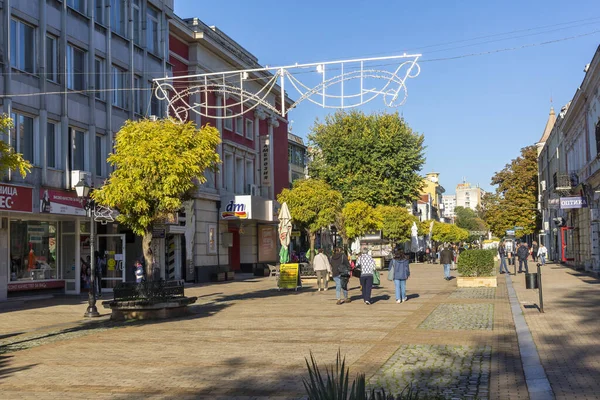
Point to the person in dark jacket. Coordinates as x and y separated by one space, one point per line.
523 253
340 271
534 250
446 257
502 255
401 274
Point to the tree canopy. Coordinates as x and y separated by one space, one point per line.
313 205
157 166
359 219
468 219
374 158
396 222
9 159
514 202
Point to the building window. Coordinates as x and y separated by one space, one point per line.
152 30
239 175
118 80
228 122
136 10
51 143
137 95
154 103
228 172
100 81
249 129
99 11
22 46
22 136
118 16
51 59
75 68
77 150
32 250
239 125
100 159
249 175
598 137
78 5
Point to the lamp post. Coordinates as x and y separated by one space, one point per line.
83 192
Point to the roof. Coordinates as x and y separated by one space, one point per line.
549 125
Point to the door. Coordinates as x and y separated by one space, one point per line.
112 247
234 250
68 263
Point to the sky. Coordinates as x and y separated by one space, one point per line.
476 104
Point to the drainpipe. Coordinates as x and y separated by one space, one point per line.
7 69
218 203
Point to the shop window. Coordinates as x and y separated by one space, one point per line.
32 251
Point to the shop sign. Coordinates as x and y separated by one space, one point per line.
288 276
295 234
265 161
35 285
554 203
159 233
267 243
238 208
573 202
61 202
16 198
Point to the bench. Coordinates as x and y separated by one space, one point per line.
149 300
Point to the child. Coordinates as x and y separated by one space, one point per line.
139 271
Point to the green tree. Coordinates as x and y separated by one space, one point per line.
313 205
358 218
514 202
395 222
374 158
157 166
9 159
445 233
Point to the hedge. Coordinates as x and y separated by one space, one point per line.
476 263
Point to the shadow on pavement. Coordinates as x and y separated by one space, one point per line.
6 370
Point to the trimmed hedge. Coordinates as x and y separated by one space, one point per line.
476 263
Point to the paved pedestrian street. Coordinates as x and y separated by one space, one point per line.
246 340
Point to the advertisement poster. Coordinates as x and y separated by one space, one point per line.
267 243
60 202
211 244
288 276
16 198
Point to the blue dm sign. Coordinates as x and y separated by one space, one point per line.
573 202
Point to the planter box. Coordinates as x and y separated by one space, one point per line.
218 277
229 276
477 281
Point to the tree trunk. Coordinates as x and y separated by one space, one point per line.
313 237
148 256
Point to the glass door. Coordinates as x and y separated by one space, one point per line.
112 248
68 262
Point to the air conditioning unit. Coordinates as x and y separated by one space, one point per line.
78 175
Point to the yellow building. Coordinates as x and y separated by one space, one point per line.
432 187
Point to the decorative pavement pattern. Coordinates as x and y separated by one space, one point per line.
474 293
454 372
460 316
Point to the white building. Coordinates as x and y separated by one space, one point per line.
449 201
468 196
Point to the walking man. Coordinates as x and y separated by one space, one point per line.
502 255
367 269
534 250
446 258
322 268
523 253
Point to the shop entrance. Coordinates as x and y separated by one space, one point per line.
112 248
234 250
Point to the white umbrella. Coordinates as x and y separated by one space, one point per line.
285 232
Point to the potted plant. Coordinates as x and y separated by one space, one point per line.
476 269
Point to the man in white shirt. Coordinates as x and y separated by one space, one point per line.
322 268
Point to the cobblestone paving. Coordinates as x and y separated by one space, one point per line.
474 293
461 316
461 372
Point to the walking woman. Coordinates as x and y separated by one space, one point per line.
340 271
401 274
367 269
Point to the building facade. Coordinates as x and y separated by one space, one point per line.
449 201
72 73
234 213
432 187
297 158
468 196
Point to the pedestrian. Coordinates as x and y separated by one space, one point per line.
446 257
138 271
401 274
502 255
340 271
367 269
522 254
322 268
99 270
542 253
534 250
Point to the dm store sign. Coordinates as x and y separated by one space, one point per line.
235 210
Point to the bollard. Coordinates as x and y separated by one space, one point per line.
539 277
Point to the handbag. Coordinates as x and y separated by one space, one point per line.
391 271
376 279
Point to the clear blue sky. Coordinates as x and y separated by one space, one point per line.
475 112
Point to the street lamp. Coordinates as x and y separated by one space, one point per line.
83 192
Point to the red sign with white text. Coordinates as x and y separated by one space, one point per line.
60 202
16 198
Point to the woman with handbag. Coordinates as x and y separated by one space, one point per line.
340 271
401 272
